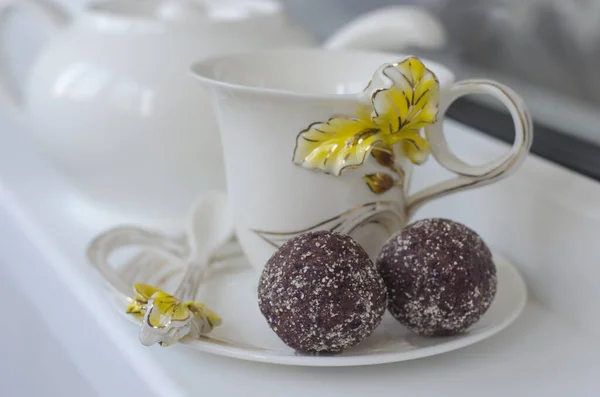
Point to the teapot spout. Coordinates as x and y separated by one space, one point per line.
391 28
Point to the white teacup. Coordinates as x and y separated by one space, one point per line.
290 170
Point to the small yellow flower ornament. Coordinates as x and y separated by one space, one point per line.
400 100
165 319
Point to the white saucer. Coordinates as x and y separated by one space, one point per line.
230 290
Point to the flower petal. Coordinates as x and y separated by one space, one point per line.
205 320
213 318
135 307
411 103
363 112
141 295
143 292
165 308
335 145
415 148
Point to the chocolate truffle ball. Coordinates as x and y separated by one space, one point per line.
439 276
320 293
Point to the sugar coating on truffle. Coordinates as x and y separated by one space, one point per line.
320 292
439 275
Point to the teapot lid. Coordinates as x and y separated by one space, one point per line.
187 11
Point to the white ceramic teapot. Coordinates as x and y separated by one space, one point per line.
111 100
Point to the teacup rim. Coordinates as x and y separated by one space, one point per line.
196 72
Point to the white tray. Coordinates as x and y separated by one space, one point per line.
549 351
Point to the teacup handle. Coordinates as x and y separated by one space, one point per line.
469 176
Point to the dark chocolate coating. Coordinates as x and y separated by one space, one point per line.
439 275
320 292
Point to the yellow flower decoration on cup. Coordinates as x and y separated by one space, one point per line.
400 100
165 319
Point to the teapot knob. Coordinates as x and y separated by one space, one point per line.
178 10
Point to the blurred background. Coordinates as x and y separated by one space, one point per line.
549 50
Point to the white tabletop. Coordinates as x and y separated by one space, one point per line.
45 227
